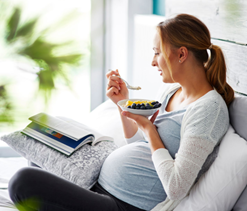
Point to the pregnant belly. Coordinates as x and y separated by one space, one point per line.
129 170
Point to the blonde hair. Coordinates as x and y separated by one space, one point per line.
188 31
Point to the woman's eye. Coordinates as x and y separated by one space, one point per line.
156 54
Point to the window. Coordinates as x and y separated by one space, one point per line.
159 7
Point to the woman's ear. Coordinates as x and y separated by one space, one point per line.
182 54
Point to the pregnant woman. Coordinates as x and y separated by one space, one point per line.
165 154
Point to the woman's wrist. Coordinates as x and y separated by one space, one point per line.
129 126
154 138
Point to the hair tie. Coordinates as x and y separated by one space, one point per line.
211 46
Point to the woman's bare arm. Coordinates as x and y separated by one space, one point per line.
129 126
116 91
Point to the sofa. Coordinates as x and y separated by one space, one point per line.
223 187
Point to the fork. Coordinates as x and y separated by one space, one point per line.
127 84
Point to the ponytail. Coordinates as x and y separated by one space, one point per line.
216 74
186 30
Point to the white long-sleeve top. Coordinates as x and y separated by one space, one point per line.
204 124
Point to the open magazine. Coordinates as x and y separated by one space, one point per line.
60 134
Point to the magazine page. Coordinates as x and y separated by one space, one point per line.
98 136
61 143
63 127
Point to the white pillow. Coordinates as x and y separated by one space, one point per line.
106 120
219 188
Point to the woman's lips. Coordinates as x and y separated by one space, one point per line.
160 72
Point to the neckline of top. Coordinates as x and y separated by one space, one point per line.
173 91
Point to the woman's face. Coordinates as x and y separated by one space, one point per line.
160 62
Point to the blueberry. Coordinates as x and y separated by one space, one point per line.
156 106
153 103
142 104
133 106
138 106
142 107
129 107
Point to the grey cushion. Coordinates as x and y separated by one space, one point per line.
241 204
238 118
238 115
81 168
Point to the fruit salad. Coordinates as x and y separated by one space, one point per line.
142 104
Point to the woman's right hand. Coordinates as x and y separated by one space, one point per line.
116 88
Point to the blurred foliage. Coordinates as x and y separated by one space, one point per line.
5 106
24 40
29 204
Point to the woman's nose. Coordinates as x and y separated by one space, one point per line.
154 63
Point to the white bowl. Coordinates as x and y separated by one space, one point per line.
143 112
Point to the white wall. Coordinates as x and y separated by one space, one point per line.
135 7
117 36
144 75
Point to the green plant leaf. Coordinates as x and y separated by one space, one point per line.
12 25
5 106
70 59
27 29
39 50
30 204
46 82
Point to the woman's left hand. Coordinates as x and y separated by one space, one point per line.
147 126
143 122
